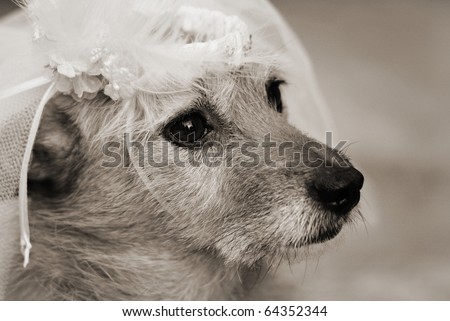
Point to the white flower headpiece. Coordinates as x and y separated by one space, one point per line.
115 71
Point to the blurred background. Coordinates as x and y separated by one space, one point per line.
384 69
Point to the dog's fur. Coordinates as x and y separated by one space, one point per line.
201 233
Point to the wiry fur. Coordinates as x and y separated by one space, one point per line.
198 232
106 236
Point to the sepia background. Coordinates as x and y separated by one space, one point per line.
384 69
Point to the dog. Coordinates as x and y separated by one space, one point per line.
106 225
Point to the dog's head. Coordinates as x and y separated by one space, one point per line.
221 171
160 162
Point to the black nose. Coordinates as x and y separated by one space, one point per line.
337 188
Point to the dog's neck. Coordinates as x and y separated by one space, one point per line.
158 274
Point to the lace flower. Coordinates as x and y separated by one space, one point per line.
77 78
83 79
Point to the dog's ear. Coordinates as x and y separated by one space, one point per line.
57 157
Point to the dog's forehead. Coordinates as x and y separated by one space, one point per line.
219 88
230 92
240 90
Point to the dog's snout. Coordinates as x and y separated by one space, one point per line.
337 188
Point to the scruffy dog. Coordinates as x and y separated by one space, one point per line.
199 231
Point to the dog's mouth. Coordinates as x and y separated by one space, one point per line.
322 236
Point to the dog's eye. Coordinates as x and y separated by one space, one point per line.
274 94
188 129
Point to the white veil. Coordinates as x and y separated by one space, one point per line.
24 83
